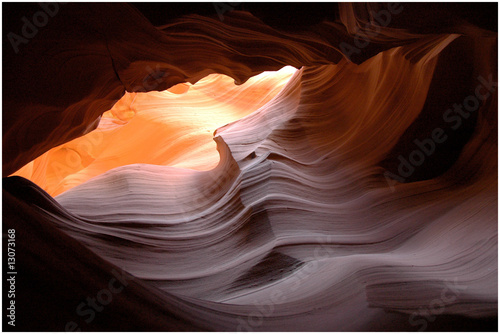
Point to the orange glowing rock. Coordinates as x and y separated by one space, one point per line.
173 127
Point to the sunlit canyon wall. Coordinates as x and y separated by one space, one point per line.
250 167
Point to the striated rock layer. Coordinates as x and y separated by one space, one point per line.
356 193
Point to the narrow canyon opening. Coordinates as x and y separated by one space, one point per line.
173 128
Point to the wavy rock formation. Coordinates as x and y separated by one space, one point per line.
356 193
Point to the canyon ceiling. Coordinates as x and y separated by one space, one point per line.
250 167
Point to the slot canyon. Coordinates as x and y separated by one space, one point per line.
250 167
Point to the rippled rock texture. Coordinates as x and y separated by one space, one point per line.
158 179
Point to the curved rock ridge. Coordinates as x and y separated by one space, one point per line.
360 194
